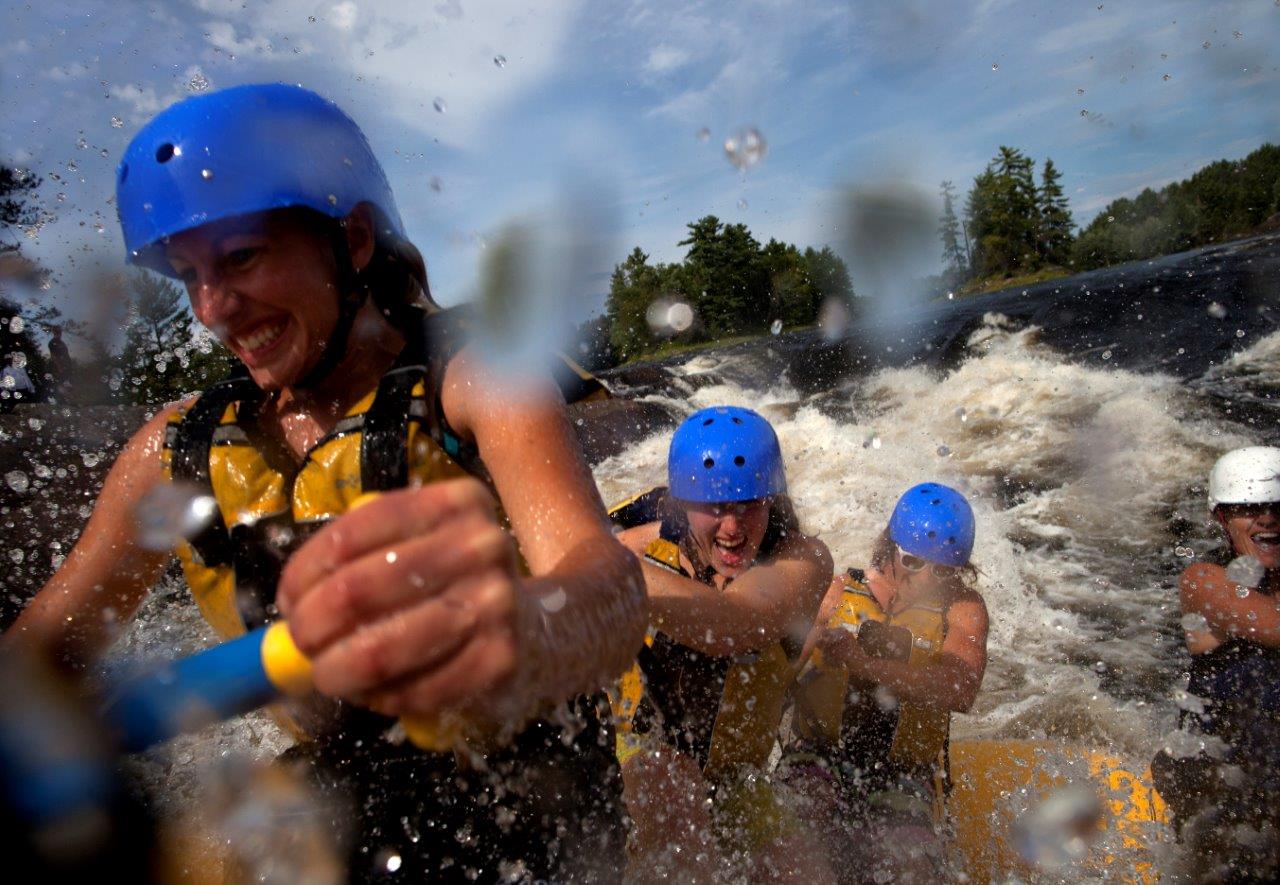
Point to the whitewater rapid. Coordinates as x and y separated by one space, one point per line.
1088 486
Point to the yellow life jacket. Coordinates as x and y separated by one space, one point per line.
722 710
395 436
830 711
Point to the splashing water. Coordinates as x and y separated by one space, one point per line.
1247 571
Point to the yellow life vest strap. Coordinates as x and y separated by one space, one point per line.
665 554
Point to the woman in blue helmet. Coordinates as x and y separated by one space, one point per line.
733 586
898 648
269 205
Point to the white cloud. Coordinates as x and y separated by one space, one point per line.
222 35
663 58
343 15
71 71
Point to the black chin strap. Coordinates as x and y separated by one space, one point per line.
351 297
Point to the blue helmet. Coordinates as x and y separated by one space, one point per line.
242 150
725 454
934 522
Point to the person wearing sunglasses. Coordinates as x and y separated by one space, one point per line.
1226 797
898 648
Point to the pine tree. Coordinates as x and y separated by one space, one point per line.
949 230
166 355
1054 217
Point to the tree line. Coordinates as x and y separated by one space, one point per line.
1014 225
727 285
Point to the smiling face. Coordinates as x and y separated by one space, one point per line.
266 285
1254 530
729 535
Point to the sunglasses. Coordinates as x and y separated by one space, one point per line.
913 563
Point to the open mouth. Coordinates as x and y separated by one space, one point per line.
1266 542
258 342
731 550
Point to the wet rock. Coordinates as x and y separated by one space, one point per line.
607 427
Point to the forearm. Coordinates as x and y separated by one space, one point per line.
947 685
713 621
586 622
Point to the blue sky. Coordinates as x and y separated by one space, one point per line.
605 99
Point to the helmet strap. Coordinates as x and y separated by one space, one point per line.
352 292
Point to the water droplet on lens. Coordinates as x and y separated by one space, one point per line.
680 316
776 327
170 513
943 451
1247 571
704 134
206 174
117 123
742 204
1194 621
17 480
1100 667
198 83
834 318
500 61
1239 333
1217 311
439 105
745 148
436 184
1058 830
333 199
995 66
1167 77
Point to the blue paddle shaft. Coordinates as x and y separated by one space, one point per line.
188 694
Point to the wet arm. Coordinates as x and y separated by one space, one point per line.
952 682
1205 590
587 610
106 576
771 600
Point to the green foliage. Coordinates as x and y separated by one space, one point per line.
955 257
1226 199
734 286
165 355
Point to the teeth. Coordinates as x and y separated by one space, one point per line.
260 338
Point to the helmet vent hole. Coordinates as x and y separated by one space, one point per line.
936 502
709 463
738 460
933 534
164 153
950 540
737 420
708 421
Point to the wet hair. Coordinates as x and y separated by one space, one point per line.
396 275
885 549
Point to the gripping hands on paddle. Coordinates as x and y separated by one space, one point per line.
408 604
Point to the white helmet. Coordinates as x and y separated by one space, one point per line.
1246 476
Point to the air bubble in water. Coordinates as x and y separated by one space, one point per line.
704 134
500 61
745 148
1246 571
1217 311
170 513
198 83
117 123
439 105
17 480
776 327
1058 830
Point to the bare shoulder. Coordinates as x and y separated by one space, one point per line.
1201 581
806 547
967 606
637 538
